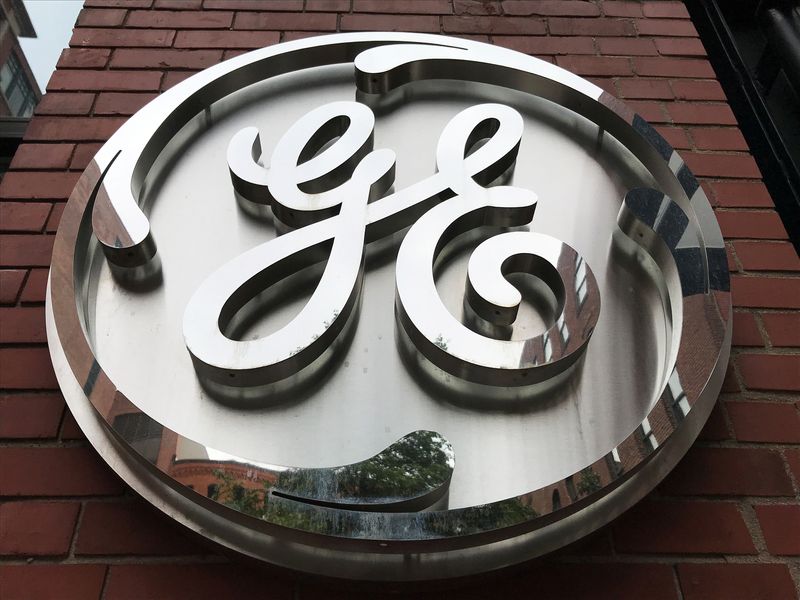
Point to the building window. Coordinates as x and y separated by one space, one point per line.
16 89
680 403
563 331
580 280
142 432
648 435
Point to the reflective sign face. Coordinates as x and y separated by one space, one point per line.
389 306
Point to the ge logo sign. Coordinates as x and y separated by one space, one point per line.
336 304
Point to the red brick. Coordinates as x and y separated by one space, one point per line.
30 416
225 39
111 103
686 89
55 217
37 528
42 156
718 138
54 103
710 581
558 8
606 83
730 384
551 45
716 428
82 129
128 528
35 286
626 46
644 88
767 256
23 216
664 9
474 7
336 5
733 265
25 250
52 582
121 38
745 330
83 58
148 58
725 165
26 368
167 19
672 67
22 325
729 472
491 25
793 461
105 80
765 292
652 112
101 17
290 5
281 21
38 185
83 155
10 284
618 8
740 194
575 582
770 422
706 114
199 582
680 47
403 6
70 430
675 136
418 23
173 78
666 27
71 471
759 224
770 372
179 4
783 329
595 27
119 3
685 527
781 527
595 65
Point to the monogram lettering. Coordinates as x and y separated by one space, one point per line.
328 187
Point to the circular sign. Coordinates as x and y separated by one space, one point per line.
389 306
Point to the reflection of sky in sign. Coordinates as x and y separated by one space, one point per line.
53 21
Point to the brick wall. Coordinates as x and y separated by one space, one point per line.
725 524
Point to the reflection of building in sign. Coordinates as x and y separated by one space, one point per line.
228 481
580 280
19 92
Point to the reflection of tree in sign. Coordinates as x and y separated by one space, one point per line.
413 466
589 482
232 494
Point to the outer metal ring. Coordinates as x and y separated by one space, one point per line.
675 226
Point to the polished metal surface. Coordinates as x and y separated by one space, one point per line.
389 306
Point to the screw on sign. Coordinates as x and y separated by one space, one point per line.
239 429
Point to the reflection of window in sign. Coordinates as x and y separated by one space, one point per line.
563 330
141 432
680 404
580 280
649 436
548 348
556 500
16 89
